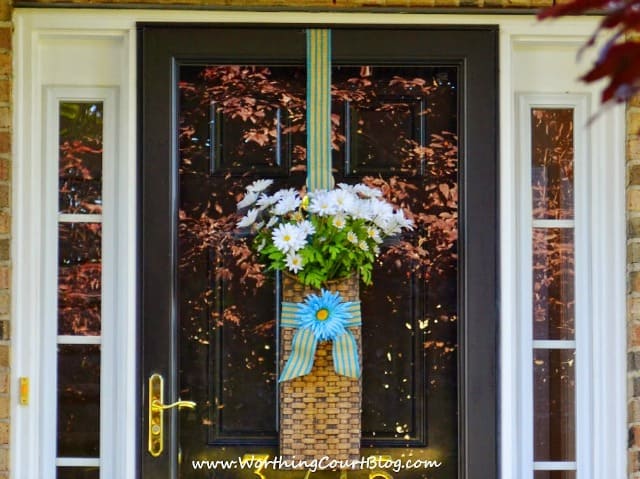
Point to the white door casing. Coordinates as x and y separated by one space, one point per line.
88 52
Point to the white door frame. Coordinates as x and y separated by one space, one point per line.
48 44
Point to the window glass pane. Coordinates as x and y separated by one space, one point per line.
227 305
553 283
80 157
237 123
242 119
554 475
78 401
554 404
78 473
394 119
552 166
395 127
79 278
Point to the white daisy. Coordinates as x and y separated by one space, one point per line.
272 221
288 238
374 234
402 220
321 204
259 186
362 244
380 208
361 210
367 192
287 204
294 262
339 222
346 187
249 199
265 201
248 219
342 199
352 237
307 227
282 193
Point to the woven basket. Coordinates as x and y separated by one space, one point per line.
320 412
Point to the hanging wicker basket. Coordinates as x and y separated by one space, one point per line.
320 413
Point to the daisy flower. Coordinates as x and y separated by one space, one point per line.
324 314
352 237
259 186
366 191
374 234
248 219
361 210
339 222
265 201
346 187
307 227
282 193
321 204
288 238
362 244
249 199
272 221
402 220
287 204
343 199
294 262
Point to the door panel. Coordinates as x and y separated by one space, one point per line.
231 110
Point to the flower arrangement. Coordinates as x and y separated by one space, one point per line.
321 235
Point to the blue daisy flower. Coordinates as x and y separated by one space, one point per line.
325 314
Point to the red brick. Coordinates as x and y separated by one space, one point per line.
4 453
5 170
5 90
5 64
5 117
5 142
634 335
4 383
5 277
5 38
5 10
634 436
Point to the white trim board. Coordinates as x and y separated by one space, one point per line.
110 35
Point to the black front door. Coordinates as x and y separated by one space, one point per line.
414 113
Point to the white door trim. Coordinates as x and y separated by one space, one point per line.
37 30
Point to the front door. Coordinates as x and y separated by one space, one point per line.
413 113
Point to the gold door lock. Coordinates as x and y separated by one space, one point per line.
156 413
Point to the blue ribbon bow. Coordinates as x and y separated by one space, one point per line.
323 317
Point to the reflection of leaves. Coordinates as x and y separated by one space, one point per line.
553 283
552 163
79 293
424 183
80 157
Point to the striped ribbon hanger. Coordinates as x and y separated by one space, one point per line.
319 174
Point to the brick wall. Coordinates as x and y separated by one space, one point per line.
633 284
5 228
333 4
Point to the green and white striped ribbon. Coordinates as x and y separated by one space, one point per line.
319 109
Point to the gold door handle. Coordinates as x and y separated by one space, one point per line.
156 405
156 413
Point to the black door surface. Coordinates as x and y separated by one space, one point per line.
414 113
